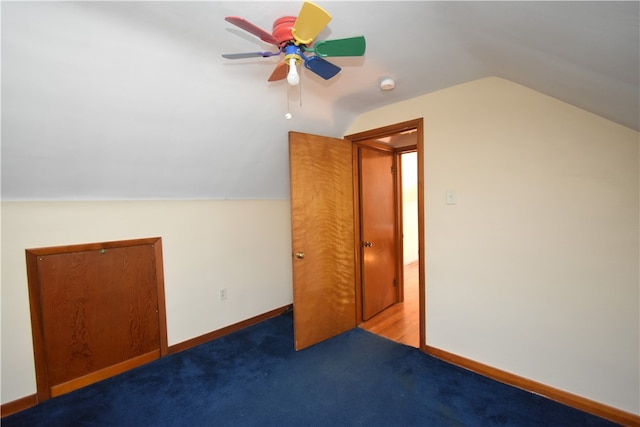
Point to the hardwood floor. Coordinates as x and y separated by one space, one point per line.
400 322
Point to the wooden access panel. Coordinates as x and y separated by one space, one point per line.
96 309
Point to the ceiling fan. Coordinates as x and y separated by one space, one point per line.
293 37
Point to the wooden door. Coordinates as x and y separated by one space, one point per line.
322 221
378 230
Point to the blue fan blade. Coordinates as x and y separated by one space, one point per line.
321 67
249 55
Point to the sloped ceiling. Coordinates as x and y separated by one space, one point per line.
132 100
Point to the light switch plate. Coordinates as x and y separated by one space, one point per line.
451 198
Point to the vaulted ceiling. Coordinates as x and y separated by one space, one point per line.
133 100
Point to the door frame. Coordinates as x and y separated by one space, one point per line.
358 139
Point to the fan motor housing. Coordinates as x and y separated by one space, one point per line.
282 29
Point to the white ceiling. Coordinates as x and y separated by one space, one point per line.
132 100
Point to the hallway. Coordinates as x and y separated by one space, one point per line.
400 322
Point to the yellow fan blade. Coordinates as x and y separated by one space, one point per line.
311 20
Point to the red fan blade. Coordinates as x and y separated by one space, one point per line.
253 29
280 73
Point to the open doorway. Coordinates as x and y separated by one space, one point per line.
402 321
322 165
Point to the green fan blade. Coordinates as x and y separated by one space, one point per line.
354 46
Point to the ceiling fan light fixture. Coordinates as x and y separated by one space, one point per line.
293 37
387 84
293 78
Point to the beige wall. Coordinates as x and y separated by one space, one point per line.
244 246
535 269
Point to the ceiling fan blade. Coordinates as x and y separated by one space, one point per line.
311 20
280 72
324 69
253 29
354 46
249 55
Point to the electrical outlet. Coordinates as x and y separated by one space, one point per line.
223 294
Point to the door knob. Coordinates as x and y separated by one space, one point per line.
367 244
299 255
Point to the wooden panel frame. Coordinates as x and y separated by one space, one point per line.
43 387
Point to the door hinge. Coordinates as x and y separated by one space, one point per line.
393 170
395 283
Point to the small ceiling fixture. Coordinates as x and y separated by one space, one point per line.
387 84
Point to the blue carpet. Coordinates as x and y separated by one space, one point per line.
253 377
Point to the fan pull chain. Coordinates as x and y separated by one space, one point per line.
288 113
300 86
